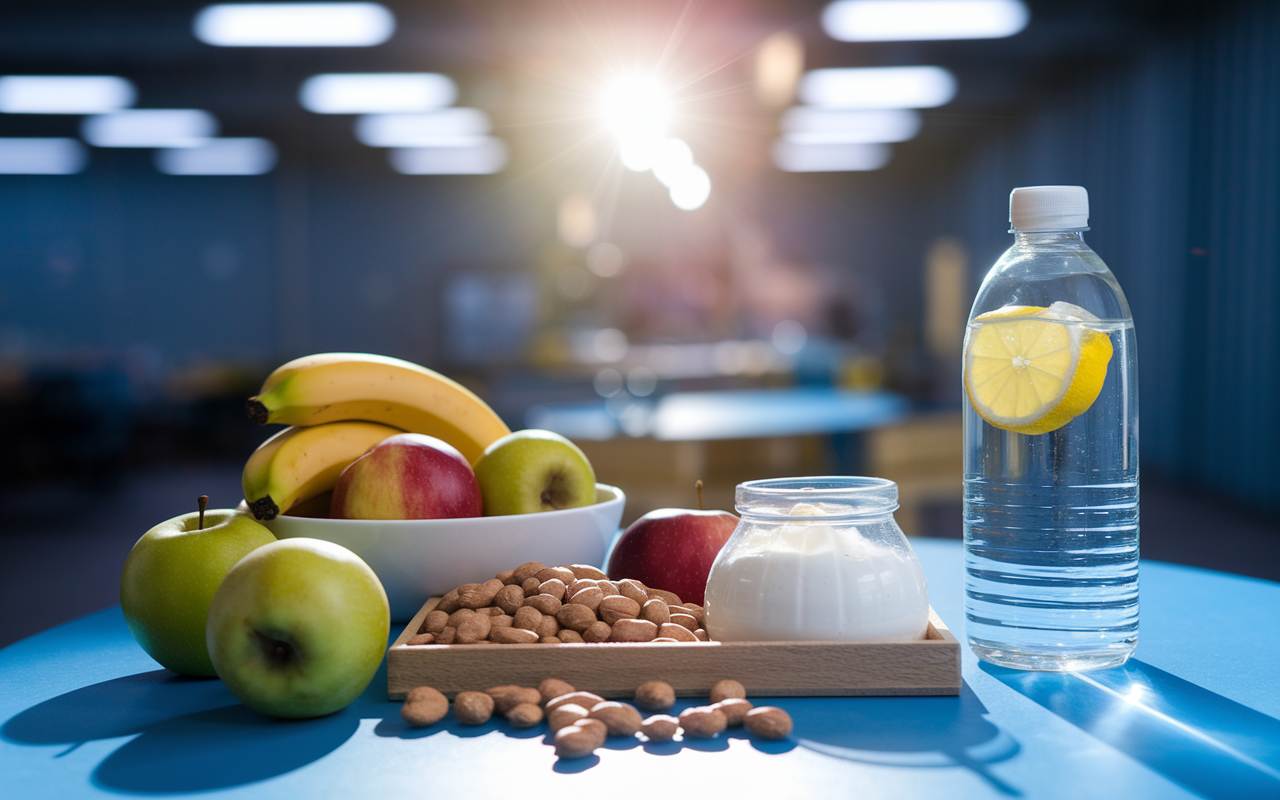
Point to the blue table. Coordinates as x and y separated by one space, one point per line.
86 713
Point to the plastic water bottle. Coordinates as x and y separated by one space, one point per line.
1051 449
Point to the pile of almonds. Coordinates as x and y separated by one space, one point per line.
581 720
568 604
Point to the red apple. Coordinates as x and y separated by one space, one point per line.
672 549
407 476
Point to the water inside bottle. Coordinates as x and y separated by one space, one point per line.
1051 530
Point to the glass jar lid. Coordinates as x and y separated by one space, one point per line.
831 496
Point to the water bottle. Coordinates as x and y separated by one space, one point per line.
1051 449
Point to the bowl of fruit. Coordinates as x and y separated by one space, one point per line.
418 477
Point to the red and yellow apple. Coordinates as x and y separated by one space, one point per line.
672 549
407 476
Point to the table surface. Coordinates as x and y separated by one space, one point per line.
86 713
729 414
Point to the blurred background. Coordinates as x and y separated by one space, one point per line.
716 239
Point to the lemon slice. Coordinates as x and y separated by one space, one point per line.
1030 369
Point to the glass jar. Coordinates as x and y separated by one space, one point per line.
817 558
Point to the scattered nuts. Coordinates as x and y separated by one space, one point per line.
564 715
577 741
655 611
703 722
769 722
512 636
735 710
546 603
660 727
473 708
508 697
620 718
435 622
634 630
676 632
422 638
552 688
587 700
725 689
509 598
587 571
655 696
525 715
424 706
617 607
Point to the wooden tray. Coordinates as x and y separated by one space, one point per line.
930 666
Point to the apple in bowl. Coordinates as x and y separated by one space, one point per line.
407 476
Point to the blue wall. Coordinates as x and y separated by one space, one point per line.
1180 151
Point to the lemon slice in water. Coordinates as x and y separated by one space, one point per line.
1030 369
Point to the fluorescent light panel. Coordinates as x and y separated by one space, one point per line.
294 25
150 127
808 125
377 92
878 87
793 157
917 20
487 156
450 126
229 156
64 94
42 156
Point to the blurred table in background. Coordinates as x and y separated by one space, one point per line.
656 450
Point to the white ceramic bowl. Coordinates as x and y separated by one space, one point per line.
418 558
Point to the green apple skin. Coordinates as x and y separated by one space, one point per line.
533 470
170 578
298 628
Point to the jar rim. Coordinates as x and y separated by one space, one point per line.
865 496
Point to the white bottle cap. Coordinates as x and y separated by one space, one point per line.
1048 208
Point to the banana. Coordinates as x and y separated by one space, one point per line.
340 386
299 463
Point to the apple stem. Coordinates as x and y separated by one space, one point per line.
202 501
698 486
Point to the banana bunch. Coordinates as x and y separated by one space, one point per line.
323 395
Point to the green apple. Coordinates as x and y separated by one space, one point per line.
298 628
170 578
533 470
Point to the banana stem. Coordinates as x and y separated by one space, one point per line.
698 486
202 501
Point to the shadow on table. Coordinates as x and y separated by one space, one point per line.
189 734
914 732
1209 744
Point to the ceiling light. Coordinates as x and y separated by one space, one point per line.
64 94
42 156
230 156
294 25
914 20
377 92
807 125
150 127
690 187
447 126
878 87
792 157
487 156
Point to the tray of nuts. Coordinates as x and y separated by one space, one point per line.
607 637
